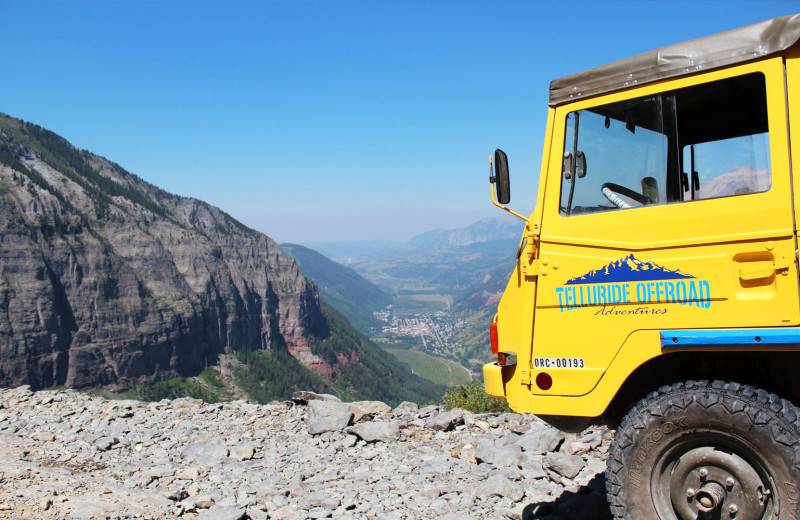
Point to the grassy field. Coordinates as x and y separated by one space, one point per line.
420 303
438 370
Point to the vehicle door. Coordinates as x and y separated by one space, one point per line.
672 209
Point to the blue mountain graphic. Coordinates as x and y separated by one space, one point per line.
628 269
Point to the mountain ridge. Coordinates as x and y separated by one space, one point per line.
485 230
108 281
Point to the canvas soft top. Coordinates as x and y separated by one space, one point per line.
701 55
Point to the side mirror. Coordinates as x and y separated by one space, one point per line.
580 167
500 178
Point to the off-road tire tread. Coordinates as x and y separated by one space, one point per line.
735 397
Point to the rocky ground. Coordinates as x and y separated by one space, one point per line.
68 455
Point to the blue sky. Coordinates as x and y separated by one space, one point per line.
318 121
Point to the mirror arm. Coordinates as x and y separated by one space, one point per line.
494 201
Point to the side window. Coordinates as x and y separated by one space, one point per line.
727 167
700 142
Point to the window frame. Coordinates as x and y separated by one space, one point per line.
662 138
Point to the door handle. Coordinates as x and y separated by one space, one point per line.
762 269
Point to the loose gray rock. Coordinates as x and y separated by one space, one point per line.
499 485
532 466
257 514
406 407
204 502
204 453
284 513
575 447
176 495
518 423
435 466
105 443
323 500
368 409
445 421
222 513
244 452
188 474
508 456
376 431
565 465
541 441
304 397
507 440
180 460
327 416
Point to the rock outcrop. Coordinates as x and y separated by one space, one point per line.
106 280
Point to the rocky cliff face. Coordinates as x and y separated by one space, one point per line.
106 280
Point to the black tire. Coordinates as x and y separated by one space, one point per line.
704 449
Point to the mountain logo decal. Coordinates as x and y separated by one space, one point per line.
630 286
629 269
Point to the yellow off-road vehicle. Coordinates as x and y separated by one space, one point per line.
656 287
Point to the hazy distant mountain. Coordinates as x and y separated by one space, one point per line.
106 280
490 229
343 288
485 230
355 249
448 262
736 182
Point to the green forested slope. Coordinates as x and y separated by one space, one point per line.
372 375
343 288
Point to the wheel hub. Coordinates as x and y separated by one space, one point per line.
710 497
708 482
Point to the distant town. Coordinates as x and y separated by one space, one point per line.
435 331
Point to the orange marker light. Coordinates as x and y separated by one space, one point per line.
493 338
506 359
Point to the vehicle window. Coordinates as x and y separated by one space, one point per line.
701 142
728 167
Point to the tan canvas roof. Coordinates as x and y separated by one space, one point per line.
710 52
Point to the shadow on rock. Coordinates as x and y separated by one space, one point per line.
588 503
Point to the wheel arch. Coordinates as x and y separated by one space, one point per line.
774 371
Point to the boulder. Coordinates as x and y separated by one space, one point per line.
327 416
376 431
